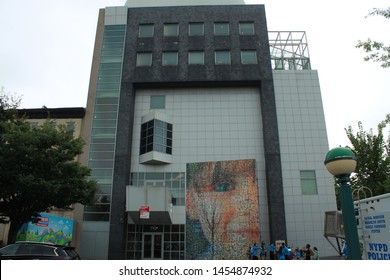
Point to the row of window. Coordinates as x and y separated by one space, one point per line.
171 58
196 29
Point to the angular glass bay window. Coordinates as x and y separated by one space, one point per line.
156 135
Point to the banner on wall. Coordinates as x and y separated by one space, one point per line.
47 228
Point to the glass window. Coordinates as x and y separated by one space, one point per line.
146 30
169 58
308 182
221 28
156 135
70 127
196 29
247 28
157 102
144 59
196 57
222 57
171 29
248 57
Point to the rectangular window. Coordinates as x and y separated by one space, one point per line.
222 57
196 57
221 28
144 59
70 127
146 30
196 29
247 28
248 57
169 58
171 29
157 102
308 182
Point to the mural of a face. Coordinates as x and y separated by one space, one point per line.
221 209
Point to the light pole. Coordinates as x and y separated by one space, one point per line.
341 162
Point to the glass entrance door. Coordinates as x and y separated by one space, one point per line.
152 246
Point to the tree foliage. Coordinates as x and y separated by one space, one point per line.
377 51
373 160
38 170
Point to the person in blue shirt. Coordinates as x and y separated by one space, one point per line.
255 252
272 251
281 253
286 251
345 250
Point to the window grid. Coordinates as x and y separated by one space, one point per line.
156 135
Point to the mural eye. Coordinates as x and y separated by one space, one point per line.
223 187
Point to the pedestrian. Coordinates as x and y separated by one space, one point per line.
316 256
255 252
271 251
286 251
281 253
309 252
249 253
263 252
345 250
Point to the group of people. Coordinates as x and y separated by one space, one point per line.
256 252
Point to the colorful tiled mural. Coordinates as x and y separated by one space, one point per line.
222 212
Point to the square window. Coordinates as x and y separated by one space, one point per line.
170 58
247 28
146 30
171 29
196 29
196 57
157 102
248 57
221 28
144 59
222 57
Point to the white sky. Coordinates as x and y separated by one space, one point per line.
46 53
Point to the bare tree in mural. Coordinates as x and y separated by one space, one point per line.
209 210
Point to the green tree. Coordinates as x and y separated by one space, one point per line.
38 170
373 160
377 51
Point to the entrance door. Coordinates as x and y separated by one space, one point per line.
152 246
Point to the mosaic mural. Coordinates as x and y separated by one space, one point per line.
222 214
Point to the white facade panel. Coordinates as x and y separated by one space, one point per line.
303 145
209 124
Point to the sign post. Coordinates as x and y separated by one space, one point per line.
144 213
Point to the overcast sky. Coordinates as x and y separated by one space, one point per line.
46 53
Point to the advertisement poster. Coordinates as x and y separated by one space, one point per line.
49 228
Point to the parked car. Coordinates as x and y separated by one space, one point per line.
25 250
